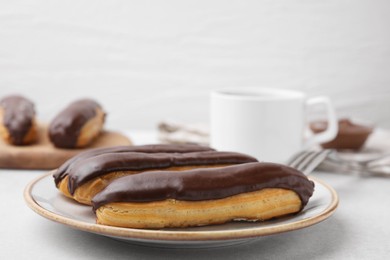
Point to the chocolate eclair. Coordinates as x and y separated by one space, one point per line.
62 171
77 125
158 199
17 120
90 175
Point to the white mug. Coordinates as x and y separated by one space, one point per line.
269 124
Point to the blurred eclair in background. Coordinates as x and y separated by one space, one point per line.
17 120
77 125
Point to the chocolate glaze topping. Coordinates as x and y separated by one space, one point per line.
66 126
18 114
62 171
204 184
90 168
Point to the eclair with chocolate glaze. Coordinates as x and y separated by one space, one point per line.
62 171
77 125
198 197
17 120
89 176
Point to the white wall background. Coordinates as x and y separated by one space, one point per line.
150 60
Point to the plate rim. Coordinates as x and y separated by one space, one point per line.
177 235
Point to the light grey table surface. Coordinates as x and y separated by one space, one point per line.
359 229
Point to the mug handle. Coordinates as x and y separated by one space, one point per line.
332 129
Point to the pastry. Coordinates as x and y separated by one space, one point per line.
61 172
17 120
77 125
350 135
89 175
197 197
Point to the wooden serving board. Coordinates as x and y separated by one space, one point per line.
43 155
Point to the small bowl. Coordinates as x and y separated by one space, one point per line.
350 135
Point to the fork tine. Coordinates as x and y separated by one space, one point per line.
311 163
306 160
296 160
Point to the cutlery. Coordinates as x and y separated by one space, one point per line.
306 161
329 160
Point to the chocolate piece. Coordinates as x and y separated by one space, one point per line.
153 148
18 115
93 167
349 136
204 184
65 128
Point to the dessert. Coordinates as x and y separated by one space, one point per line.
17 120
159 199
62 171
77 125
350 135
85 177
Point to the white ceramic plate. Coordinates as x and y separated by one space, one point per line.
42 197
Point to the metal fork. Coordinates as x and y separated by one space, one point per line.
306 161
327 160
377 160
332 165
